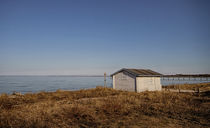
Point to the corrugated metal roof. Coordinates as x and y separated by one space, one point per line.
139 72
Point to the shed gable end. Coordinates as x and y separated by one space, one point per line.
124 81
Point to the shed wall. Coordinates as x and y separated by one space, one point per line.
148 84
124 81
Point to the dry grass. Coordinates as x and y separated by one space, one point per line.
201 86
104 107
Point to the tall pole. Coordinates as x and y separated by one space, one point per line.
105 79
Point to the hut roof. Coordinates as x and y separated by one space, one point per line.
139 72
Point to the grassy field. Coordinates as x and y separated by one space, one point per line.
105 107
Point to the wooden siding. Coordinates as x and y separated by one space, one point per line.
124 81
148 84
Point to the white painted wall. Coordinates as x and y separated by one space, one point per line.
148 84
124 81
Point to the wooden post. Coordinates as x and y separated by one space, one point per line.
198 90
179 88
105 79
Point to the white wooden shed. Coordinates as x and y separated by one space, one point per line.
137 80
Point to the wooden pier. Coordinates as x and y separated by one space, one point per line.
187 77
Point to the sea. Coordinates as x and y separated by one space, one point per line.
33 84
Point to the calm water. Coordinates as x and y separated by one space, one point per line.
25 84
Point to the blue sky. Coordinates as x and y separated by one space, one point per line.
80 37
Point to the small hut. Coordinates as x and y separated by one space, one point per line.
137 80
